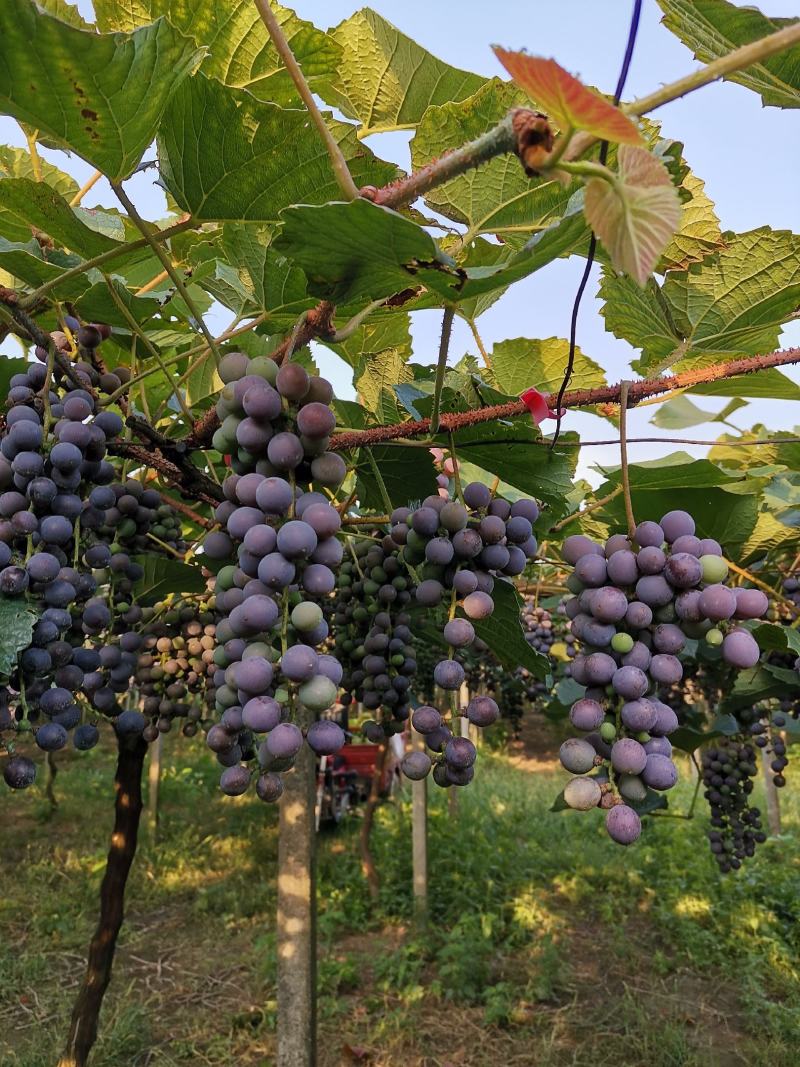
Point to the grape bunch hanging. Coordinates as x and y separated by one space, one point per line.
635 603
460 550
59 560
270 663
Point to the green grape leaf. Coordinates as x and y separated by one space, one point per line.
520 363
16 163
37 204
680 412
102 96
97 305
714 28
505 636
771 384
408 474
163 576
239 50
16 626
378 373
276 287
378 333
385 80
774 638
698 234
767 535
496 197
514 451
27 263
265 157
733 303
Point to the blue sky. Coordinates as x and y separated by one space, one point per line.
747 155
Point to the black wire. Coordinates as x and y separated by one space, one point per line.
633 29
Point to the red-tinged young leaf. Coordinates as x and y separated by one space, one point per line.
637 216
566 101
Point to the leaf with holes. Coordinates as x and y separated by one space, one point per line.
100 95
568 103
636 216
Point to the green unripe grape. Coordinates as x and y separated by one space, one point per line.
265 368
306 616
127 528
398 660
229 427
574 584
400 583
665 614
622 643
643 737
282 695
115 548
295 597
378 574
24 727
318 693
345 581
714 637
608 731
370 587
220 657
122 607
226 697
220 441
225 577
258 648
715 569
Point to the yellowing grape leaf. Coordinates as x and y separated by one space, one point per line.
565 100
637 215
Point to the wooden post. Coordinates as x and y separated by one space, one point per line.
127 811
154 783
297 916
419 839
460 726
773 801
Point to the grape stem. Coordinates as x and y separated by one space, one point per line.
441 365
456 475
595 504
623 455
387 500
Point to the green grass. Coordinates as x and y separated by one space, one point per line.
546 945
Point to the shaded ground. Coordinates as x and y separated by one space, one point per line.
547 945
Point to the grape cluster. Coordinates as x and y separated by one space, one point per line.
728 772
460 550
791 589
276 421
176 665
634 606
372 633
269 659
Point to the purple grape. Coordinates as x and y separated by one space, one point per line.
478 605
234 781
329 469
299 663
717 602
668 638
429 593
43 567
666 720
296 539
482 711
639 656
438 738
285 451
269 788
687 606
292 381
659 745
459 633
323 519
630 683
677 524
600 668
586 715
683 570
448 674
709 547
577 755
650 560
687 543
666 670
275 571
130 723
577 546
51 737
653 590
217 545
315 420
639 615
425 719
740 649
477 496
639 715
325 737
750 603
262 402
659 772
623 824
628 756
285 741
260 540
622 568
649 535
19 772
416 765
591 569
460 752
467 544
609 604
253 675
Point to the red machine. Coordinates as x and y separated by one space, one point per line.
345 779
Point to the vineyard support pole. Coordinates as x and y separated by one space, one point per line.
773 800
297 916
154 784
419 839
